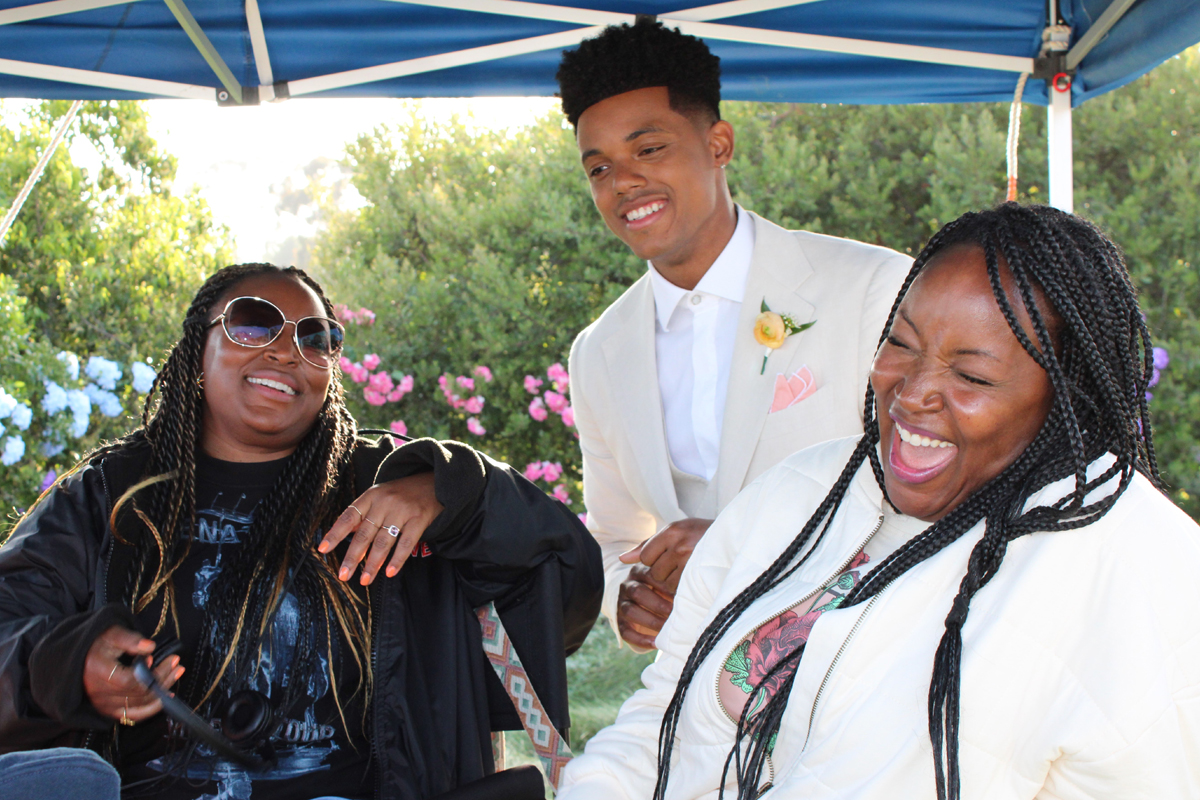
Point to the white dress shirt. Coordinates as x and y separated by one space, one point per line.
693 341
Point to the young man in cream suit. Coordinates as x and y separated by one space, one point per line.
675 408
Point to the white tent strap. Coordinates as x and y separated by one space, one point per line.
34 176
1014 136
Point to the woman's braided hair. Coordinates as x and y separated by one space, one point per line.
278 554
1099 364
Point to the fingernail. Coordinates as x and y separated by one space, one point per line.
323 548
365 579
391 572
343 574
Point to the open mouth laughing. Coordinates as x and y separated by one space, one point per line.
917 457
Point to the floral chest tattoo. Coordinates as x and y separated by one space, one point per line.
756 655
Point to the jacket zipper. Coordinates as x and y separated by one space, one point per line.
820 588
89 738
375 626
837 657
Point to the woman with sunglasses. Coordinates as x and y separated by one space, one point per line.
334 575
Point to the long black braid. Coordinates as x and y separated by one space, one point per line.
278 555
1099 363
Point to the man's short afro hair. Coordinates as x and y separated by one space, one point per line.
628 57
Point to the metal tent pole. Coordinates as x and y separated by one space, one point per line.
32 180
1058 135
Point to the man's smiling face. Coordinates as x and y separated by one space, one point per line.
656 178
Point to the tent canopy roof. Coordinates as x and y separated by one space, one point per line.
840 51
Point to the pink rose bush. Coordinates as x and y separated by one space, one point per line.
465 396
558 376
343 313
552 400
550 472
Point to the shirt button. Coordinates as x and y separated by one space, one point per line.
697 299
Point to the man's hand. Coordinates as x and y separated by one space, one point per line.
386 516
647 596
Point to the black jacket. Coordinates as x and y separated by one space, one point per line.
436 699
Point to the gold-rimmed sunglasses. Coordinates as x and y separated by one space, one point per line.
255 322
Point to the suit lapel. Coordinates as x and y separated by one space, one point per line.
632 364
777 269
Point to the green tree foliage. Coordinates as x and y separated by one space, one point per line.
483 248
95 265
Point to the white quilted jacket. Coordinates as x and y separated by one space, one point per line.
1080 671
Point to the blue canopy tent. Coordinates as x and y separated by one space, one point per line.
845 51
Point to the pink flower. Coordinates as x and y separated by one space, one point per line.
370 361
560 494
365 316
406 384
465 382
442 382
537 409
568 416
483 372
359 373
399 427
396 395
380 381
373 397
343 312
582 517
558 375
474 427
458 403
474 405
532 384
555 401
551 472
533 470
345 364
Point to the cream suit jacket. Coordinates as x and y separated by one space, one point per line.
846 286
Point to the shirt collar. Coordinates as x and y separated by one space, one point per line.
726 278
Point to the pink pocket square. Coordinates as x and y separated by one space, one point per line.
789 391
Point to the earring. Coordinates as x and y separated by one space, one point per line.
200 381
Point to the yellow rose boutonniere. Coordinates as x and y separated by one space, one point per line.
771 329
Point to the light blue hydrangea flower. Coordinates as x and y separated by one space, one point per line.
143 376
108 403
72 363
2 430
7 404
55 399
81 410
51 449
14 451
104 372
21 416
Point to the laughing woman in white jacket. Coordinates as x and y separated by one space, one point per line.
986 596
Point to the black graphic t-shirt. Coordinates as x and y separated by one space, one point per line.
316 756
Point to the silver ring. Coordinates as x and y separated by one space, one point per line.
360 514
393 531
114 670
373 522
